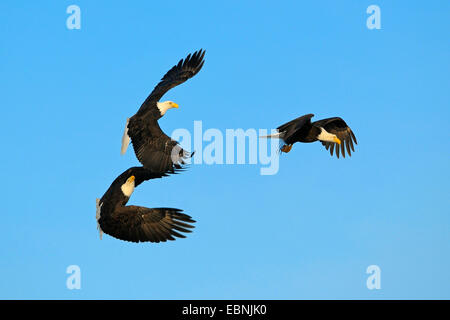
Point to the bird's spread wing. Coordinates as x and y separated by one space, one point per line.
140 224
142 174
154 149
289 128
179 73
338 127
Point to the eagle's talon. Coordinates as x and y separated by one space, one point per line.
286 148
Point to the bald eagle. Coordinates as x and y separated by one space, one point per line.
153 148
133 223
334 134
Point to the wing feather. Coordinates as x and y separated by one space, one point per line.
338 127
291 127
179 73
140 224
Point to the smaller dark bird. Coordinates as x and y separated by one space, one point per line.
133 223
334 134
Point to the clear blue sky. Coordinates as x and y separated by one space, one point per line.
309 231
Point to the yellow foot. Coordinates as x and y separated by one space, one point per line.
286 148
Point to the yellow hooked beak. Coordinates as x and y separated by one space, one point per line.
131 179
337 140
174 105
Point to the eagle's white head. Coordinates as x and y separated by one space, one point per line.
166 105
329 137
128 187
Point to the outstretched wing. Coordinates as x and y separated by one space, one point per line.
154 149
179 73
338 127
291 127
140 224
141 174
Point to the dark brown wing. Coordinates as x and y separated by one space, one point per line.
291 127
338 127
139 224
184 70
153 148
141 174
114 192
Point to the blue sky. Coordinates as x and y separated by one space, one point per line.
308 232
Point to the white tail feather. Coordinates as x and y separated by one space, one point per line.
125 139
97 216
278 135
